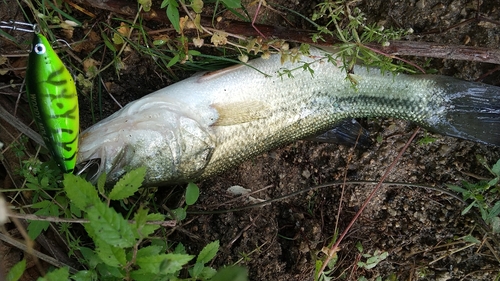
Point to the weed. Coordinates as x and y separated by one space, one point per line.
124 249
479 194
192 194
348 24
344 22
372 260
426 139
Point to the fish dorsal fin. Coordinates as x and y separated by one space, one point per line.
234 113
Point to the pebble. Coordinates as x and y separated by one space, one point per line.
306 174
421 4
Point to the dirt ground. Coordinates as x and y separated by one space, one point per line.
420 228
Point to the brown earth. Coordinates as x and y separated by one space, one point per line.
420 228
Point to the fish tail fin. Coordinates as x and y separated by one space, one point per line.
473 112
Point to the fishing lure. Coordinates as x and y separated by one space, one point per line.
53 102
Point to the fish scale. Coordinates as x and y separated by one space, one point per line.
209 123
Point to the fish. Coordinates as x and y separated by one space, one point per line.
53 100
212 121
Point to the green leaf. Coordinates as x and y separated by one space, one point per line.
484 212
36 227
90 256
140 218
362 264
148 229
173 61
456 188
180 249
62 200
143 275
466 210
85 275
194 52
493 182
192 193
44 182
179 213
164 263
232 4
161 243
196 270
174 263
148 251
112 256
317 267
208 252
359 246
57 274
80 192
471 239
110 226
495 210
16 271
75 210
100 182
233 273
42 204
106 272
173 15
107 42
128 184
495 225
208 273
90 230
496 168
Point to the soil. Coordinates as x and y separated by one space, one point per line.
420 228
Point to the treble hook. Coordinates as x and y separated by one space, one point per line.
19 25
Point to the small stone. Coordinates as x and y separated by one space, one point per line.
306 174
421 4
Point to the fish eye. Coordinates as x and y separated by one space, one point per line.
39 49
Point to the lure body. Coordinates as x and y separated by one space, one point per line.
53 102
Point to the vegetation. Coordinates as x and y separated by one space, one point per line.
481 196
125 248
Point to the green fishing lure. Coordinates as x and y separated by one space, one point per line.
54 103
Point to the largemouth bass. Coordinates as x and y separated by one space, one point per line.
213 121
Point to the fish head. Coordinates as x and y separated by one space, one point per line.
174 146
103 150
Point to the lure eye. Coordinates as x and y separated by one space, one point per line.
39 49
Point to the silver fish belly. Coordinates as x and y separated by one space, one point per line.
212 121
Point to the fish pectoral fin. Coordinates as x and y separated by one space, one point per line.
240 112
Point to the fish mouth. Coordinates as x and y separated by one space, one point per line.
90 169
